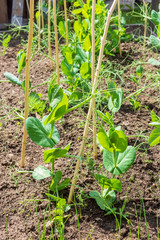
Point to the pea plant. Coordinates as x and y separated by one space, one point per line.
4 40
76 64
118 157
44 133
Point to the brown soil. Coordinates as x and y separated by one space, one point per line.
23 198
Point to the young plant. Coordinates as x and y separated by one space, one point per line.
133 100
118 157
5 39
44 133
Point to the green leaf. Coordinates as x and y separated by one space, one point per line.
155 17
120 163
77 11
154 62
139 71
62 29
106 117
155 124
77 27
38 133
58 110
85 70
105 203
154 117
155 41
12 78
67 52
64 184
119 140
100 201
116 97
67 68
35 103
55 136
154 137
41 172
81 55
56 180
52 154
87 43
112 184
55 94
104 140
21 59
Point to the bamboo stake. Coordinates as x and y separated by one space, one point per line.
39 26
93 72
42 18
56 40
85 133
65 12
27 5
145 22
119 26
49 32
30 37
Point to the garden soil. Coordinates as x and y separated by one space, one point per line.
23 202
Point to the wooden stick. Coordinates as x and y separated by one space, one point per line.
119 26
39 26
85 133
30 37
56 40
145 22
93 73
65 12
49 32
42 18
27 5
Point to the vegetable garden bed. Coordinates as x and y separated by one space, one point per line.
34 198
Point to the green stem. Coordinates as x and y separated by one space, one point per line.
51 132
80 104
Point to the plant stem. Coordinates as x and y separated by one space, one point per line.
49 32
93 73
85 133
65 12
145 22
39 26
119 26
30 37
56 40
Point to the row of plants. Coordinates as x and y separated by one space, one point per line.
76 65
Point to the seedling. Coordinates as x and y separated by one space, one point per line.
118 157
5 39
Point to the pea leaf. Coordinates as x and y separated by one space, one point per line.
154 137
123 163
41 172
113 184
38 133
12 78
104 140
119 140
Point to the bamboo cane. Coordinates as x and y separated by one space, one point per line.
39 25
49 32
119 27
85 133
56 40
27 5
145 22
65 12
30 37
93 72
42 18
